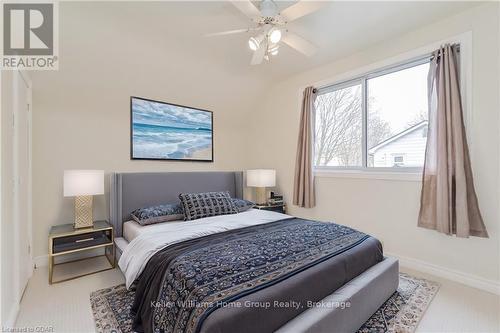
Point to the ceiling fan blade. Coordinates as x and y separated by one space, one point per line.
300 44
247 8
259 54
229 32
301 8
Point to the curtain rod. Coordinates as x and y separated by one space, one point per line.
429 56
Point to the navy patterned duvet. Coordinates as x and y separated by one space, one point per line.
183 284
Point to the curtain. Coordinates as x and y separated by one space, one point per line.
448 200
303 185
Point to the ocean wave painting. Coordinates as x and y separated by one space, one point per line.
168 131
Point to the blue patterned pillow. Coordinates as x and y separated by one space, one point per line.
158 214
242 204
198 205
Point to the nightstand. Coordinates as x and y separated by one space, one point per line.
65 239
275 208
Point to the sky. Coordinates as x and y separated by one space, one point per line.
156 113
399 97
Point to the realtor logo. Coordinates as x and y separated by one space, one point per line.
29 38
28 29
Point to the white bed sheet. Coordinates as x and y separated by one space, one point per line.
132 229
153 238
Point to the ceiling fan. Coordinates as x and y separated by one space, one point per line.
271 28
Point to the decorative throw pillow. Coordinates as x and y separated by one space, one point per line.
198 205
242 204
158 214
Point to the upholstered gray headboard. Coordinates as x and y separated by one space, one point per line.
129 191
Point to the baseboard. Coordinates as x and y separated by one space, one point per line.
42 261
10 321
470 280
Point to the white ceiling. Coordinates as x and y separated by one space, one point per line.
339 29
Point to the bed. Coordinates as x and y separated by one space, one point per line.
333 290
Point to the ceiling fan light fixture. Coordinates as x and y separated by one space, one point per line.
273 50
253 43
271 26
275 36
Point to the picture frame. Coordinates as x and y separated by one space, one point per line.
170 132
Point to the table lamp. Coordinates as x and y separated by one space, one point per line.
260 179
83 185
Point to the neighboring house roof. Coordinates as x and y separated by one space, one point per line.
397 136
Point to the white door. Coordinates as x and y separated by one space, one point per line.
22 179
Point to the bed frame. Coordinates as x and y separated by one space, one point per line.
130 191
365 293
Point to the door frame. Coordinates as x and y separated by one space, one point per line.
26 80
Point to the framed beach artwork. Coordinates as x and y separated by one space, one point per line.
165 131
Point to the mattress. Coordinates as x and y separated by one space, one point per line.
132 229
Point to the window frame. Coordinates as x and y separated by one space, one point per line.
362 80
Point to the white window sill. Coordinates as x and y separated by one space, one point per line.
369 174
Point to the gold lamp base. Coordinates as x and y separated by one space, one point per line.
83 212
260 193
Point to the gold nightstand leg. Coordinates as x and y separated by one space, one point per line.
114 256
51 267
112 252
51 260
111 255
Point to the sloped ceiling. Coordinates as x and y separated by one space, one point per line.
339 29
170 31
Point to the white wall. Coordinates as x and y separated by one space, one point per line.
7 276
81 120
81 112
388 209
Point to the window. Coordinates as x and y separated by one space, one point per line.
376 121
339 123
399 160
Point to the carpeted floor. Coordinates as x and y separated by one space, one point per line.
400 313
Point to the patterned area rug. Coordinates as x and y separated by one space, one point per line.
400 313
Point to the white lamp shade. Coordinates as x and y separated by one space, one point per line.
261 178
83 182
